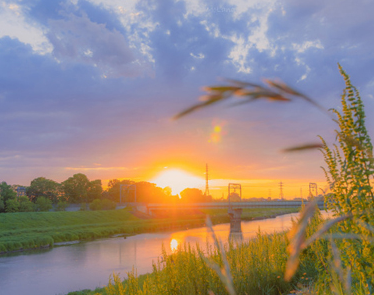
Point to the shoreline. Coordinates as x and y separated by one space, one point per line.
183 226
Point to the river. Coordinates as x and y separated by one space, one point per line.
87 265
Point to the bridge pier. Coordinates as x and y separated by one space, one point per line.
235 220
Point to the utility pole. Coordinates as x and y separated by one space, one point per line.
206 193
281 190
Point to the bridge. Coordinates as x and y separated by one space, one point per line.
151 208
234 208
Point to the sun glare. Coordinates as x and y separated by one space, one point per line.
177 180
174 245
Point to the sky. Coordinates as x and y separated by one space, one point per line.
91 87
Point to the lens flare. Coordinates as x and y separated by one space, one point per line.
217 133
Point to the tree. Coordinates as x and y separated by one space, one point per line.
167 191
6 193
75 188
25 205
43 204
11 206
94 190
78 189
148 192
43 187
2 204
61 206
194 195
114 188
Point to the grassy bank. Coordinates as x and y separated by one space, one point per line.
32 230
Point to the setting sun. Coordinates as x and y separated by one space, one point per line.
177 180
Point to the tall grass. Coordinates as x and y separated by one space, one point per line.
256 266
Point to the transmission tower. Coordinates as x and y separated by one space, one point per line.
312 186
281 190
206 193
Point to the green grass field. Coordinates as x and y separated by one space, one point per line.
31 230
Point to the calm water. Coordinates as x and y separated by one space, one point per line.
88 265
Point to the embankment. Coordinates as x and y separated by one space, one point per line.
32 230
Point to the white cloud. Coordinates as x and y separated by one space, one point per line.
14 25
304 76
300 48
239 54
129 17
256 35
78 39
198 56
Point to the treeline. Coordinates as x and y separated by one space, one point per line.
147 192
44 193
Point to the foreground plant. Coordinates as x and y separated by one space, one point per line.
254 267
349 174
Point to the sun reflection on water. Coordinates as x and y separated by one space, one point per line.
174 245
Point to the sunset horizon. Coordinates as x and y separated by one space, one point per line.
186 147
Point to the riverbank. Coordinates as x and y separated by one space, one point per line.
34 230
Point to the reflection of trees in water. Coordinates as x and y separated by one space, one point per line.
125 252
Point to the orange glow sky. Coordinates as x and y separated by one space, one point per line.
100 83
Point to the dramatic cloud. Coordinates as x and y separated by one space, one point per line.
77 39
85 82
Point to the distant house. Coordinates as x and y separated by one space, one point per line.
19 189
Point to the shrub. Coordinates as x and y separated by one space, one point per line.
2 205
96 205
104 204
43 204
25 205
11 206
349 173
61 206
108 204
